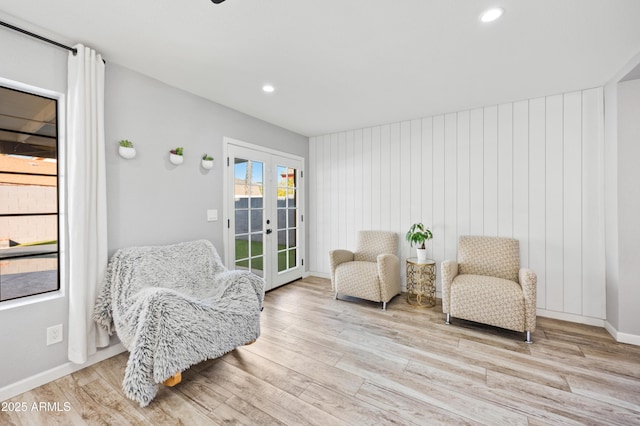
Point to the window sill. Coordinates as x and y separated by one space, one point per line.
30 300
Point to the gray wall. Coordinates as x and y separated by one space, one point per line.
628 294
23 329
150 201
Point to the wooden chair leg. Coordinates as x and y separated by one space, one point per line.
173 380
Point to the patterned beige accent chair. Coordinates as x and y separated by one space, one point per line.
372 272
487 285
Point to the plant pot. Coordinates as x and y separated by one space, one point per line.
207 164
421 254
176 159
126 152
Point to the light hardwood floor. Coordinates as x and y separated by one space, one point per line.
327 362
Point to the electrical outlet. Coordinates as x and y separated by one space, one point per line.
54 334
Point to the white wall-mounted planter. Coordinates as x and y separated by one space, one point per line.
207 164
127 152
176 159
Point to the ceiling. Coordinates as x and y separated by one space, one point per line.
347 64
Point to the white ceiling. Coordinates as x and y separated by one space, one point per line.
346 64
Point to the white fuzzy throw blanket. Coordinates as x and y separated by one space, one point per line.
175 306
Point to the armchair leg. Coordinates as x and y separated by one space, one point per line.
173 380
448 320
335 296
527 335
384 306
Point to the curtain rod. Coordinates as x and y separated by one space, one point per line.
29 33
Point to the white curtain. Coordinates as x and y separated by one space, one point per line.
86 200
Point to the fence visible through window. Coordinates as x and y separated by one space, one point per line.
28 194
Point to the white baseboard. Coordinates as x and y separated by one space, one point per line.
631 339
55 373
570 317
319 274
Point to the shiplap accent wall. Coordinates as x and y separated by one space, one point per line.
530 170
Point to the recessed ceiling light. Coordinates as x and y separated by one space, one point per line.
491 15
268 88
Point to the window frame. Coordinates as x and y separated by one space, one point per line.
61 199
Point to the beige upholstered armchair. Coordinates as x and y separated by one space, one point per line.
487 285
372 272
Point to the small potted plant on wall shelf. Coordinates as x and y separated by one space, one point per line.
419 234
175 156
207 162
126 149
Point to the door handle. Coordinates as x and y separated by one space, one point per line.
269 231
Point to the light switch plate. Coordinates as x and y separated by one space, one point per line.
212 215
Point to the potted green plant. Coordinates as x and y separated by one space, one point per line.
175 156
418 235
126 149
207 162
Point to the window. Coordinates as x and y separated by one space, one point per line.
29 256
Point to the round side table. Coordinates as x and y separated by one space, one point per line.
421 282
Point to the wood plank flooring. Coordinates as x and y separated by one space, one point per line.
324 362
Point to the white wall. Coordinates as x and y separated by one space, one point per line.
622 106
531 170
611 205
626 317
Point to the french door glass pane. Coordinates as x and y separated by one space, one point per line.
287 217
282 218
282 240
258 272
242 221
242 247
256 197
291 218
257 175
292 238
282 261
257 244
256 220
291 174
292 258
249 215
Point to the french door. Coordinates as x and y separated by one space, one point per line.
264 212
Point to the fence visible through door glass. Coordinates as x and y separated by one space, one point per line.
287 218
249 214
265 229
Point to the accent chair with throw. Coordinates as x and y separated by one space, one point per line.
487 285
372 272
